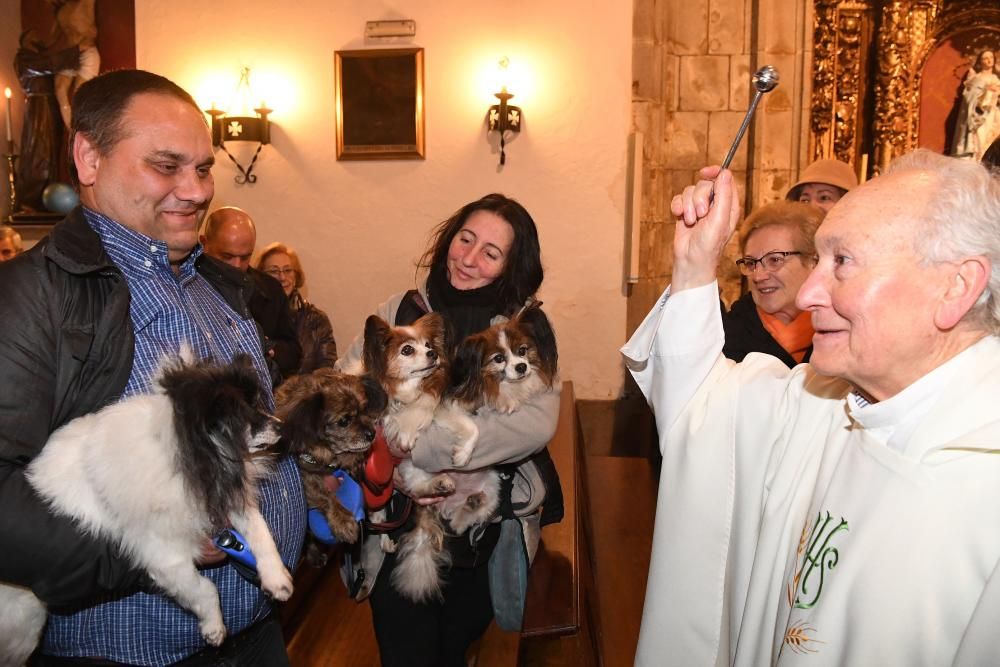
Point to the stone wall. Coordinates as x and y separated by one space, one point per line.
691 66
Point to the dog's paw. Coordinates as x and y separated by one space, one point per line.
346 531
405 441
442 485
461 455
388 544
277 583
214 631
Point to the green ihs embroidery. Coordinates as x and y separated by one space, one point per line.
819 557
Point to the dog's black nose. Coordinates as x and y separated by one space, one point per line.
431 354
521 368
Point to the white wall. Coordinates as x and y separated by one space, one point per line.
10 28
359 226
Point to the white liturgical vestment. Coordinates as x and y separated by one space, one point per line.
796 524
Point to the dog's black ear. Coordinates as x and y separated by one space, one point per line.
242 368
377 334
375 395
466 370
212 407
302 421
545 339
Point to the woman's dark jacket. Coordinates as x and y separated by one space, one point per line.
66 348
315 334
745 333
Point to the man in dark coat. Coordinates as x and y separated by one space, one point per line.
230 236
87 317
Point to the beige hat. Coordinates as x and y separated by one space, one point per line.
829 172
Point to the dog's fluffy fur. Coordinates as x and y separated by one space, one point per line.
328 423
499 369
195 449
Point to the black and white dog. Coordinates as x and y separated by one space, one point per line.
158 474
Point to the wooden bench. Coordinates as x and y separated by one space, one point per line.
555 591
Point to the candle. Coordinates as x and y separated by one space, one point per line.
863 176
10 131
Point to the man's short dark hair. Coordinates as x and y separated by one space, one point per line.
100 103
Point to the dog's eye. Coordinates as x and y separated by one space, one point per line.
497 358
406 350
523 350
344 421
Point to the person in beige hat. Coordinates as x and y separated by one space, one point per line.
823 183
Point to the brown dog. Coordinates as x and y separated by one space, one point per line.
329 424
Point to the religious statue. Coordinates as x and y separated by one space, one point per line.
978 108
75 26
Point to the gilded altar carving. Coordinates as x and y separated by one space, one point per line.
847 120
841 36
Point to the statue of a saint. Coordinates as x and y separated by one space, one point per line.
75 25
978 109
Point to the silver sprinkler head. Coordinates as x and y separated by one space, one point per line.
766 79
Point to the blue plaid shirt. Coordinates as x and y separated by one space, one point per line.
168 309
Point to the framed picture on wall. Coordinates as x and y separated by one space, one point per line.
380 104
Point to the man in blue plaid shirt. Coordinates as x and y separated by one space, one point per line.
89 312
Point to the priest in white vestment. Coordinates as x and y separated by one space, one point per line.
846 511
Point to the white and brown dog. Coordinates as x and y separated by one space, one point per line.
499 369
195 449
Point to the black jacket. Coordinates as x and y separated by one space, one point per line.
269 307
745 333
66 348
315 334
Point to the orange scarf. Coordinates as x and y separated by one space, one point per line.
794 337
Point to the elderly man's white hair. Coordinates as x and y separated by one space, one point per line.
963 220
7 232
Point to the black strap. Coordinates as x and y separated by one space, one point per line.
553 509
411 309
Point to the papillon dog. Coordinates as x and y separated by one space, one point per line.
328 423
499 369
195 449
412 365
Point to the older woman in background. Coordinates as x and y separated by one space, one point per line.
823 183
778 253
315 333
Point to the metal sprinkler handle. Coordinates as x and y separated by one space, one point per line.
764 81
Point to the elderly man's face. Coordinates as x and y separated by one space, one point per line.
157 179
872 301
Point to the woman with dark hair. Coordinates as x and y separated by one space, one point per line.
483 262
312 325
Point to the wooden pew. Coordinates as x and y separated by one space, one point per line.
555 591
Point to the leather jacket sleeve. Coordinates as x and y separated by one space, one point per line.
44 382
49 554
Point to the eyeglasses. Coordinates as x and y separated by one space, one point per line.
770 262
276 271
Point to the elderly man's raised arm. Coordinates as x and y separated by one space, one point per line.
669 363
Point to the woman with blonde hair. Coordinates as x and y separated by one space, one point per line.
777 253
312 326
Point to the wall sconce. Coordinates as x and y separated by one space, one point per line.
504 117
242 128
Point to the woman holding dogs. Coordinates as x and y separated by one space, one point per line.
483 262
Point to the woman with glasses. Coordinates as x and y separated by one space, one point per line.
315 333
777 254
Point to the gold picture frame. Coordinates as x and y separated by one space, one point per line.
380 104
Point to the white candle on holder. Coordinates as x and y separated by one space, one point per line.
10 131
